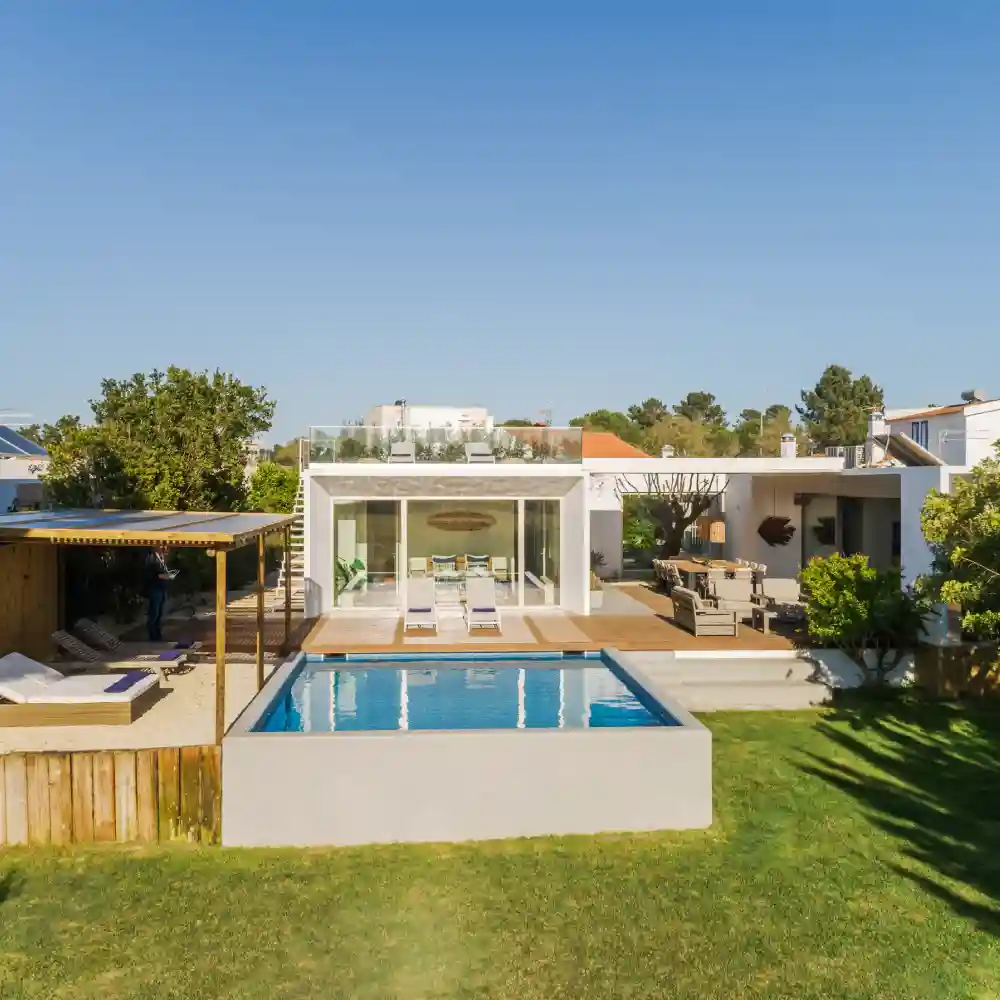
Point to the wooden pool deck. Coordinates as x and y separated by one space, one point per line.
540 631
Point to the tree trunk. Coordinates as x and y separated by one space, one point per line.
673 541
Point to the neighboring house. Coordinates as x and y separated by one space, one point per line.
21 463
424 416
962 434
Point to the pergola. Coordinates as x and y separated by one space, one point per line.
29 588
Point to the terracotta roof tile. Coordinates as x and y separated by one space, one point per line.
604 444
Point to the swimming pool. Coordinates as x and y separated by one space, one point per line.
439 748
344 696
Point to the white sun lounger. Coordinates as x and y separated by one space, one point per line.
421 611
481 603
39 695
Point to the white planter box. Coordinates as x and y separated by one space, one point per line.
596 599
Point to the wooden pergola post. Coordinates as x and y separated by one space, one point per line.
288 586
220 644
260 612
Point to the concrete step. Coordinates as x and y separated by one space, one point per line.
765 695
722 670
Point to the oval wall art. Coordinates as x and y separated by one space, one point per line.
461 520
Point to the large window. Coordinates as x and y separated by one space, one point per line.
541 552
451 540
366 539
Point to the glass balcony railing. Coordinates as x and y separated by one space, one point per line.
362 443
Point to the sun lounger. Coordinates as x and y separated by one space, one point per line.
101 639
403 451
479 451
421 611
481 603
35 694
161 661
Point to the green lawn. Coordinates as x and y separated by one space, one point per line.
855 854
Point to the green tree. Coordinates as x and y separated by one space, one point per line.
671 503
273 488
519 422
963 531
864 611
287 454
610 420
648 413
163 441
701 407
760 433
835 411
688 438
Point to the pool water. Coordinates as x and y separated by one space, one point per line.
439 694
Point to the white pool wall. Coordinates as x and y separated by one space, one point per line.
309 789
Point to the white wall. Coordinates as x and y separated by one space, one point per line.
739 504
914 485
945 436
748 501
606 538
982 430
574 550
22 468
318 519
878 517
818 508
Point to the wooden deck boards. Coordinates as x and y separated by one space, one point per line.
539 632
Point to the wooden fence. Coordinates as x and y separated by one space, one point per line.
962 670
144 796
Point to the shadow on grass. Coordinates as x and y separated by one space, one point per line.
929 775
9 886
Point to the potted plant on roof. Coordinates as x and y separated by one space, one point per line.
596 593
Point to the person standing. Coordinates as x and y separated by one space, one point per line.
159 575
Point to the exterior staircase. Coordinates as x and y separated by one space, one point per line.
294 565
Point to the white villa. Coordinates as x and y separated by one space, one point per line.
454 495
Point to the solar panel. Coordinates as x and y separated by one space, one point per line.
15 445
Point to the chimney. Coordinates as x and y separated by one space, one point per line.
876 425
789 446
667 451
878 431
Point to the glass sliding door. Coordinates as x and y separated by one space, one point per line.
541 553
452 540
366 541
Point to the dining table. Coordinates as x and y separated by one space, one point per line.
693 568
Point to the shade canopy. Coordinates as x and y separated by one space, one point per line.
147 528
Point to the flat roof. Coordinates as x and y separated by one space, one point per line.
147 528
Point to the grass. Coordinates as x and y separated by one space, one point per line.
854 856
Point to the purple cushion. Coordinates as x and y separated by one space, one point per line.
421 611
184 643
126 681
171 654
483 611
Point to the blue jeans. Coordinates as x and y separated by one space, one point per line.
157 601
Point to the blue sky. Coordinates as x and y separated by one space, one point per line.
523 205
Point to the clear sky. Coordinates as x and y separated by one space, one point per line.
522 205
